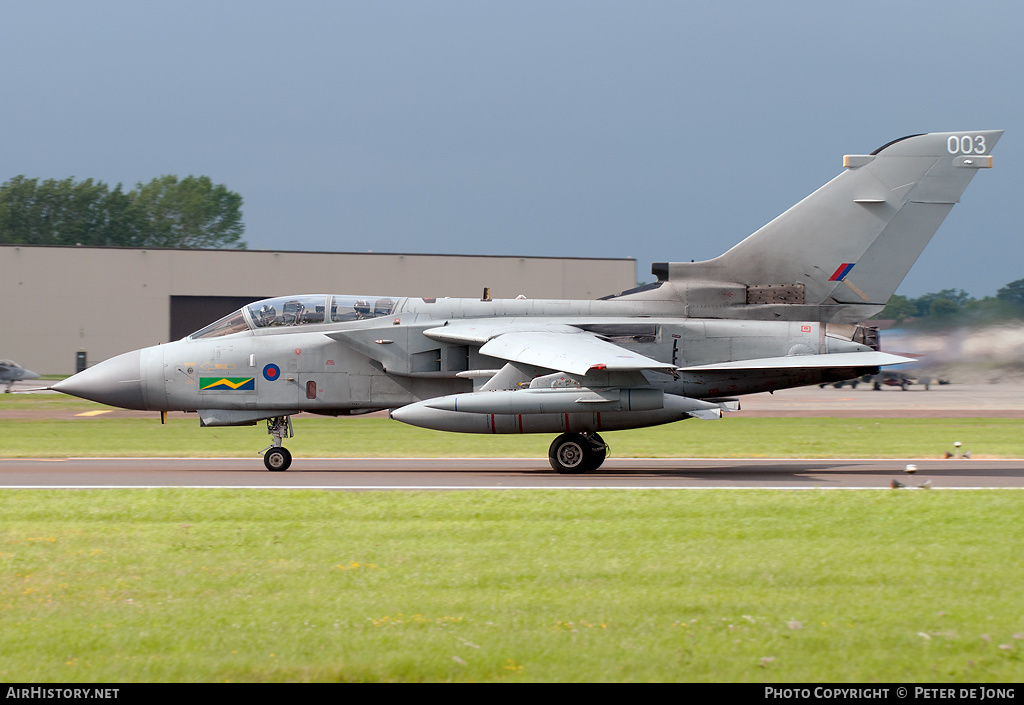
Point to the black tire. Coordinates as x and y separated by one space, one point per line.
570 454
277 459
599 451
574 453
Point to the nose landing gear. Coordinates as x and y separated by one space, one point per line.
275 456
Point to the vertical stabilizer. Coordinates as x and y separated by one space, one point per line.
848 245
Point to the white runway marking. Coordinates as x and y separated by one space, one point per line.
465 487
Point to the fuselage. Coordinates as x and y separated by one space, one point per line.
345 355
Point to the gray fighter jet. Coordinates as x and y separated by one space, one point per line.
11 372
780 309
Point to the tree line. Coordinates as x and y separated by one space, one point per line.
166 212
951 305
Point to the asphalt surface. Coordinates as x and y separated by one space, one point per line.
1004 400
475 473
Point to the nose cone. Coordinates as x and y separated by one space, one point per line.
29 374
117 382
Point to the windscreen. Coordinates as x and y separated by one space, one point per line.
232 323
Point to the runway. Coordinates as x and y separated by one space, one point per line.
1004 400
508 473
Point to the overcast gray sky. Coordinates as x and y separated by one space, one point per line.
662 131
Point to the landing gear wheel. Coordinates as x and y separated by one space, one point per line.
275 456
573 453
277 459
569 453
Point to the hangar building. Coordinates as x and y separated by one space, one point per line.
63 302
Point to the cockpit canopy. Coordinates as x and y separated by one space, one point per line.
297 311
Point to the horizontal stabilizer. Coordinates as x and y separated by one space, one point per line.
795 362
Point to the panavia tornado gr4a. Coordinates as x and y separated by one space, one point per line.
11 372
780 309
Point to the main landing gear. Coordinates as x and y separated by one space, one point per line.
275 456
573 453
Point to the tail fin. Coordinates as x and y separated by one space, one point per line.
845 248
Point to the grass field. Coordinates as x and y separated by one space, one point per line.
748 586
117 586
729 437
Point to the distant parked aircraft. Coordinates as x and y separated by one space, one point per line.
11 372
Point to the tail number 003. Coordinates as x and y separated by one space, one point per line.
966 144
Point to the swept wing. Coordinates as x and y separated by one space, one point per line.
554 346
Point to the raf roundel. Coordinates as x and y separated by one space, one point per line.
271 372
